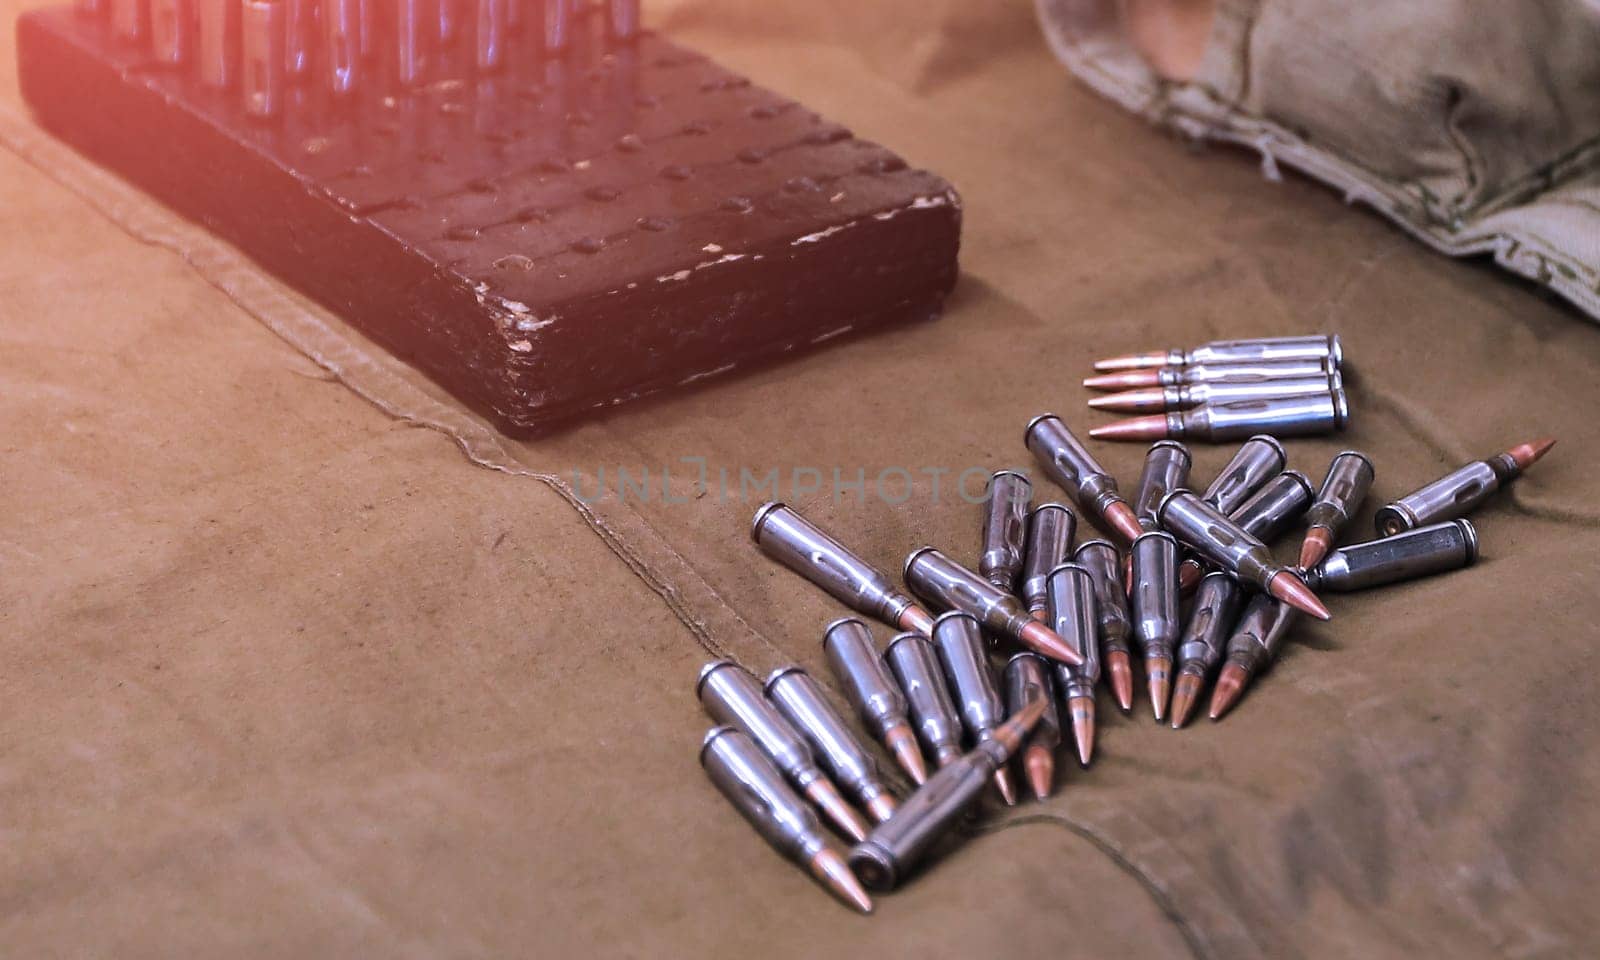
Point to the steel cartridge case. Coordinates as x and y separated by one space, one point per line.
171 31
491 35
1183 396
342 45
558 17
1260 633
797 543
894 848
1345 487
915 665
757 790
263 72
801 701
733 696
1111 601
1070 465
1005 513
1166 468
1254 350
623 19
1257 460
870 688
299 33
1051 527
130 20
958 640
1407 555
1455 494
1218 539
1216 608
1155 611
1074 615
949 586
1275 507
217 42
1027 677
1281 416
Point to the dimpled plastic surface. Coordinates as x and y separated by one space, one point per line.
551 239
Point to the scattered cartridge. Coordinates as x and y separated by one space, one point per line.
959 642
1272 510
1155 612
1184 396
731 695
1214 422
1027 678
1198 373
299 34
801 701
872 691
915 666
1257 460
1051 527
1166 468
1216 538
886 857
950 586
757 790
1111 613
1005 515
1204 640
1414 553
1343 490
1076 471
1254 644
1312 347
803 547
1073 615
1460 491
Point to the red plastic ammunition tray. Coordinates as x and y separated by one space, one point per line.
566 233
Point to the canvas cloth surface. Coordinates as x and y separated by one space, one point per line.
285 675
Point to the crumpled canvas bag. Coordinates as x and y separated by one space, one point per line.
1475 127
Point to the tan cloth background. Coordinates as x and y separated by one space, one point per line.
283 675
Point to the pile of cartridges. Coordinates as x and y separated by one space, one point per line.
1022 638
1226 389
262 47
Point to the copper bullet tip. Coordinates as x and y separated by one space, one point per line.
1293 591
903 744
1128 380
1121 516
1041 769
1136 428
882 806
832 872
1527 454
1039 638
917 620
1158 676
1042 615
1152 400
1082 711
1008 790
1190 574
1131 361
1184 697
1319 540
825 795
1228 689
1121 673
